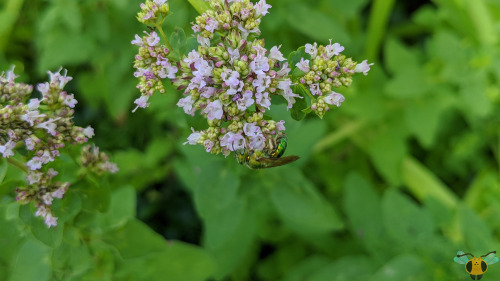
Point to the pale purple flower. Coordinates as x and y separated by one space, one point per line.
49 125
283 72
59 193
10 76
159 2
43 88
50 220
211 25
208 144
193 138
31 116
303 65
246 101
52 173
141 102
167 71
233 54
33 104
47 199
261 8
214 110
315 90
245 32
88 132
251 130
231 78
263 99
257 142
149 14
187 104
334 99
203 41
59 79
7 148
333 49
287 92
137 41
30 143
196 28
363 67
261 83
37 161
152 39
69 100
276 54
207 92
312 49
33 177
41 211
233 141
280 125
109 166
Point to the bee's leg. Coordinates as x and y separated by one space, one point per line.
479 277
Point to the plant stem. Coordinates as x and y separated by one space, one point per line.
17 164
160 29
377 25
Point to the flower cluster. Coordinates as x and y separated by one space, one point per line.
152 11
95 161
327 69
224 16
230 77
231 82
152 65
39 128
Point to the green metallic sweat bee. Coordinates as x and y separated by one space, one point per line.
268 158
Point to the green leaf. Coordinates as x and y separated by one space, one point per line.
363 209
121 208
135 239
217 188
407 224
300 103
388 149
3 169
199 5
300 206
177 262
229 235
31 263
51 237
306 268
94 195
403 267
395 53
316 24
477 235
295 56
177 41
350 268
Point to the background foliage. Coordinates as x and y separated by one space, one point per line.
388 187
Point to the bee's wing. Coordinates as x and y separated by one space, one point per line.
275 162
461 259
490 258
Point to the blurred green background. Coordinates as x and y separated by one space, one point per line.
389 186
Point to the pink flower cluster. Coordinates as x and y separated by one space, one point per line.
42 127
232 82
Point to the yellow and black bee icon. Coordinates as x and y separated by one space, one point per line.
476 267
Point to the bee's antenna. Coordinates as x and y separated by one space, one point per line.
465 255
492 252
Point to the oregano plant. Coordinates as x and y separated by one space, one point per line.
226 75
